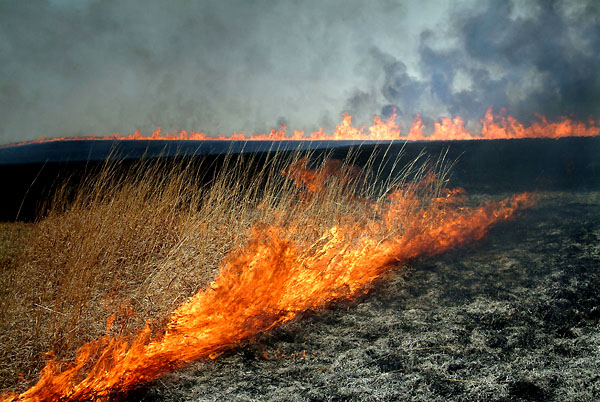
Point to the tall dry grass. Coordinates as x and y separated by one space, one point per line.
125 248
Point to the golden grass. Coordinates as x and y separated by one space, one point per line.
132 247
12 235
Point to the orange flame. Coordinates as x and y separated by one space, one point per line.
313 181
506 127
501 126
271 281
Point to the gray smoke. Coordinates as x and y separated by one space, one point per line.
541 57
82 67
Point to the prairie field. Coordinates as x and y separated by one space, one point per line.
124 250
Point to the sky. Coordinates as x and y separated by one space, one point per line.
95 67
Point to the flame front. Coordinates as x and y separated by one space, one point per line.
270 281
500 126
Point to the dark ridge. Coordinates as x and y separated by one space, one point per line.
491 166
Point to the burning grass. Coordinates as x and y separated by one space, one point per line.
210 265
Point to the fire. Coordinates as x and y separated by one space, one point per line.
313 181
501 126
506 127
273 279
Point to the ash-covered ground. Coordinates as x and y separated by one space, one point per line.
513 317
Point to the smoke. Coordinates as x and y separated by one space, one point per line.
74 67
544 54
528 57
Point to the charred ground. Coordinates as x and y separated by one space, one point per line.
490 166
514 317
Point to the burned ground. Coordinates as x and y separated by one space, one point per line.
514 317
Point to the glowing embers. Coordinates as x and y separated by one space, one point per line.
278 274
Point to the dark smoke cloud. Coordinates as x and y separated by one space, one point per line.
559 43
80 67
544 60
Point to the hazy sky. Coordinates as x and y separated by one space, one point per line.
82 67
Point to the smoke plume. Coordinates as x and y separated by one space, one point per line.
75 67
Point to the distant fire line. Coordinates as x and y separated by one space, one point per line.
500 126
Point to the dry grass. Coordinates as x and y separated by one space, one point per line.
132 247
12 235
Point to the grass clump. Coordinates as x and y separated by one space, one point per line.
129 245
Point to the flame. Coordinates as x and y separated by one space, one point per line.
506 127
272 280
314 180
501 126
